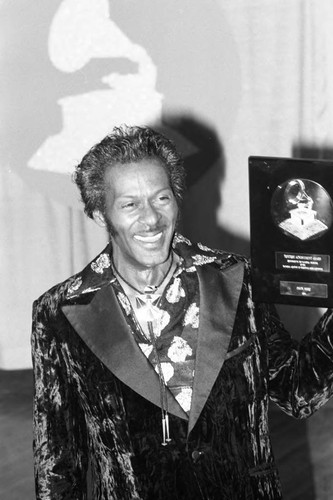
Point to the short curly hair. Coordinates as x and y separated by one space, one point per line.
126 145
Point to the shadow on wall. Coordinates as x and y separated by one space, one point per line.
205 168
313 152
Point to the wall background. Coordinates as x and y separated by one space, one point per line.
226 79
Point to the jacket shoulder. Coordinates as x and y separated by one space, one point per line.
56 295
198 254
92 277
221 258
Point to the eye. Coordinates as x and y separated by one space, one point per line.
129 205
164 198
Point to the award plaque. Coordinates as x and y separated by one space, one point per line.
291 218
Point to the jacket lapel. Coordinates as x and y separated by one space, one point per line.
219 295
102 326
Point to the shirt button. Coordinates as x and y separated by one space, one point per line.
196 454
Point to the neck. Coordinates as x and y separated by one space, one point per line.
140 280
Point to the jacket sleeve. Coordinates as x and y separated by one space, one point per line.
300 373
59 458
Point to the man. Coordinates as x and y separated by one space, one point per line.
153 367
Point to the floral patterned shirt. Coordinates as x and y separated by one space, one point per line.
176 331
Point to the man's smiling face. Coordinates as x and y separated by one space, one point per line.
141 213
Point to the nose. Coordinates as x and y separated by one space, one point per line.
149 215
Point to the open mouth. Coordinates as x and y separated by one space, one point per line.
150 238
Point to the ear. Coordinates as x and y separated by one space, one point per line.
99 218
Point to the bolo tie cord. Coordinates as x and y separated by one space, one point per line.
145 298
163 393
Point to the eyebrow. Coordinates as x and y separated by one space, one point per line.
134 196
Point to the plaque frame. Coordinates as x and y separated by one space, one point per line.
291 229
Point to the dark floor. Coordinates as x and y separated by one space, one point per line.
16 469
302 457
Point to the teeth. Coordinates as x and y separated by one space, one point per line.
148 239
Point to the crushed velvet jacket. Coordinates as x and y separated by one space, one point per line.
97 421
